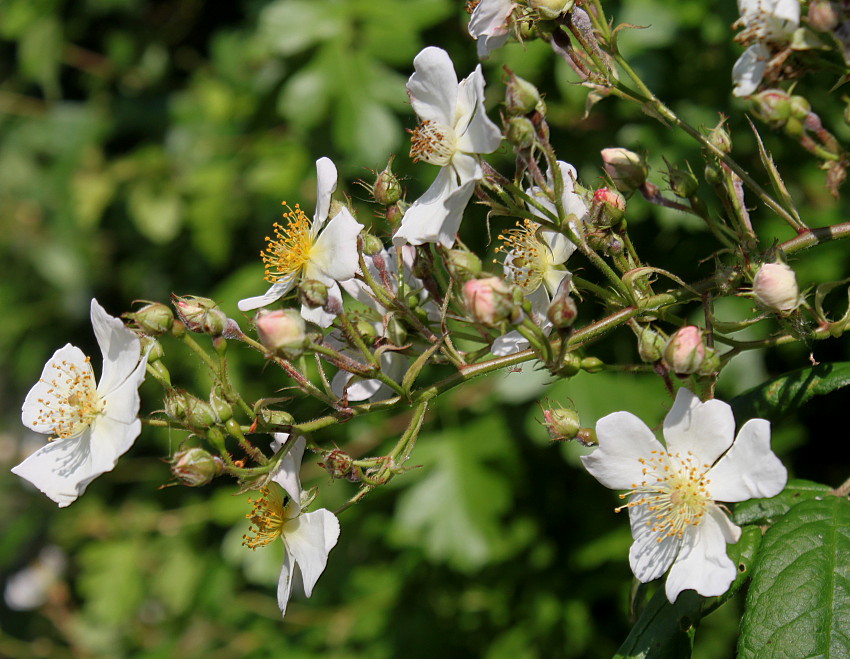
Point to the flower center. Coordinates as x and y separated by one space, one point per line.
675 492
72 402
528 256
432 142
267 518
761 25
289 250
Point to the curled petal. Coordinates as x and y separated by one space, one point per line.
277 290
309 538
120 347
433 86
475 132
287 473
749 469
284 582
623 441
326 177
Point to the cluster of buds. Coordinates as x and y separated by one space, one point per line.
387 191
525 113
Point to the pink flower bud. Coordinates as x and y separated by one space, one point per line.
626 168
195 466
562 423
489 301
281 331
685 350
200 314
775 287
608 207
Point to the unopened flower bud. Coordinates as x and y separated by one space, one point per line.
562 423
195 467
386 190
823 15
220 407
775 287
199 413
339 464
592 365
551 9
313 293
607 208
587 437
570 365
372 245
272 420
521 97
153 319
627 169
174 404
799 107
152 348
710 364
773 106
683 183
720 138
366 331
462 264
396 332
520 132
394 213
282 332
562 311
200 314
650 345
685 351
489 301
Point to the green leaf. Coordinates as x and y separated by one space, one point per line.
667 630
767 511
155 212
798 603
777 398
40 53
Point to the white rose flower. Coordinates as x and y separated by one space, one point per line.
672 489
489 24
325 252
765 23
453 128
91 425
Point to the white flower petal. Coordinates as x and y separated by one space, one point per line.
702 564
648 557
488 24
509 344
287 473
748 71
277 291
704 430
326 177
334 254
433 86
120 348
284 583
122 403
423 221
623 441
475 132
749 469
309 538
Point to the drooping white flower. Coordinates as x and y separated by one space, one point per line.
672 489
489 24
91 425
765 23
453 128
325 252
307 537
536 256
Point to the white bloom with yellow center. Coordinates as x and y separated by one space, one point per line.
535 257
307 537
91 424
672 490
305 249
453 128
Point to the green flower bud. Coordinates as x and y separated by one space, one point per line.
608 208
394 213
570 365
651 345
592 365
710 363
520 132
312 293
773 106
587 437
462 264
340 464
152 348
562 423
626 168
372 245
153 319
719 137
387 189
220 407
799 107
272 420
200 314
366 331
396 332
194 467
521 97
683 183
551 9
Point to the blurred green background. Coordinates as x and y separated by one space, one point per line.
145 148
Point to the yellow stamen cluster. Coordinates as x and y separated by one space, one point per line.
289 250
72 402
267 518
529 255
675 491
471 5
433 143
